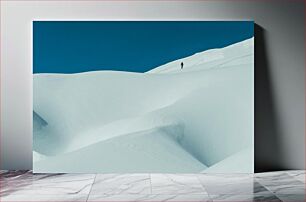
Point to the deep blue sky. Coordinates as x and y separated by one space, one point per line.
79 46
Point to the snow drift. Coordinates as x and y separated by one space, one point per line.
197 119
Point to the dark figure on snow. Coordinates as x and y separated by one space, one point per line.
182 65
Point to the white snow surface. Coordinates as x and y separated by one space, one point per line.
168 120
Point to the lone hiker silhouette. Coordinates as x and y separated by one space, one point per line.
182 65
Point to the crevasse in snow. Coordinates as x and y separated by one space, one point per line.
196 119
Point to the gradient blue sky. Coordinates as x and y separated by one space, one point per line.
135 46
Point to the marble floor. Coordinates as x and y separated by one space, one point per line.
271 186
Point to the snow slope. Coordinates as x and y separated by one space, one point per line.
165 120
236 54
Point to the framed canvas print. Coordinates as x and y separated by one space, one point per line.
143 96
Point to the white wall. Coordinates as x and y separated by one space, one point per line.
280 110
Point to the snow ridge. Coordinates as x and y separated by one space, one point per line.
165 120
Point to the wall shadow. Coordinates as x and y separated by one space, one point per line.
267 133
